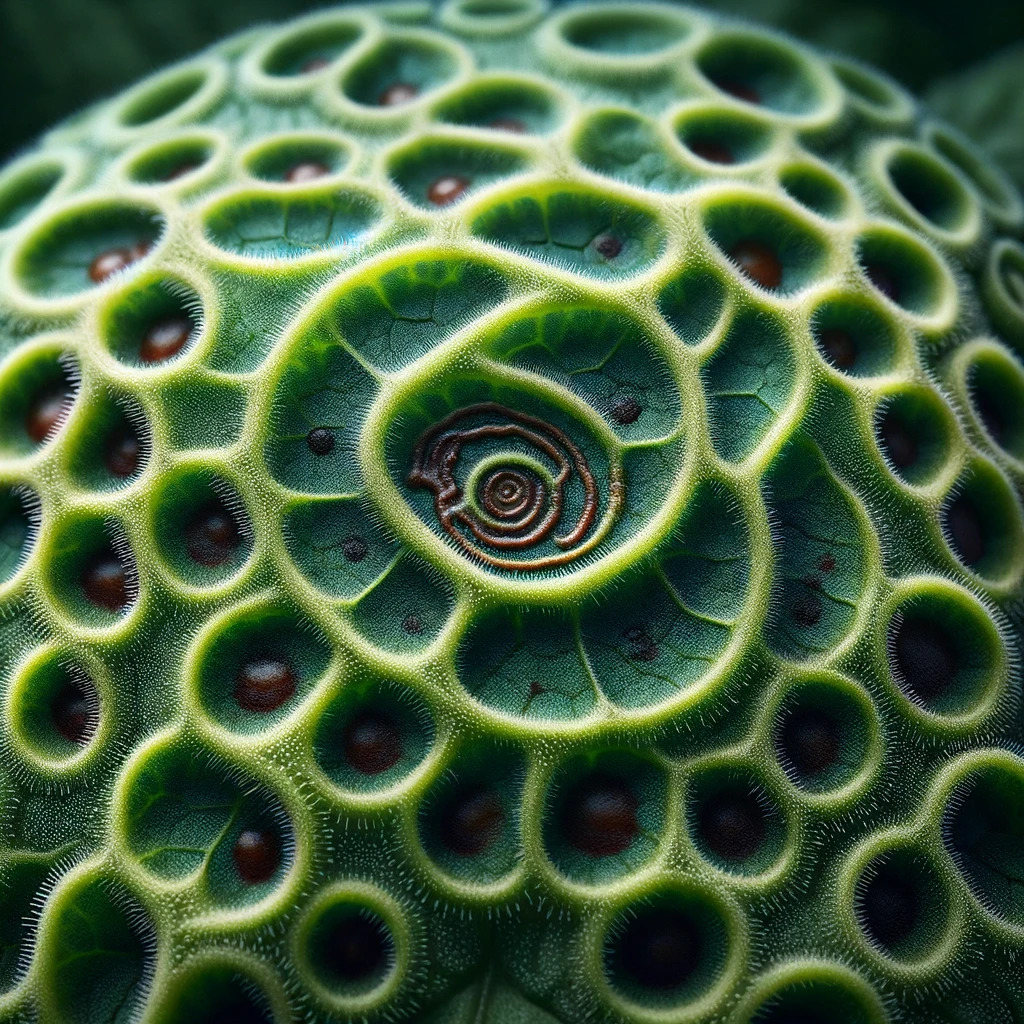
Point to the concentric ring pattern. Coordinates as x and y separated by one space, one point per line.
511 515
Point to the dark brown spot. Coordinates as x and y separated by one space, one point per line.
72 713
105 582
966 530
757 261
165 338
314 64
535 688
257 855
307 170
608 246
659 949
884 281
827 563
889 908
110 261
626 411
732 824
807 611
741 90
400 92
897 440
925 656
471 820
357 946
599 815
372 742
712 151
641 644
810 740
47 412
320 440
180 170
355 549
264 683
509 124
412 625
212 537
447 189
122 451
838 347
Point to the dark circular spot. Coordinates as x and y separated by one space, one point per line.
757 261
165 338
412 625
732 824
46 412
110 261
354 549
447 189
838 346
827 563
926 657
608 246
72 713
122 451
641 644
264 683
256 854
398 93
105 581
356 946
810 740
890 906
626 411
306 170
372 742
314 64
712 151
898 440
599 815
471 820
884 281
659 948
966 530
806 611
535 688
509 124
320 440
212 537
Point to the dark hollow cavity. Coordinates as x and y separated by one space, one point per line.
357 946
732 824
712 151
884 281
810 740
372 742
72 713
105 582
599 815
47 412
471 820
264 683
898 440
890 907
925 657
838 346
122 451
966 530
657 949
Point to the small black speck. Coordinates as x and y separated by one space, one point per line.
320 440
354 549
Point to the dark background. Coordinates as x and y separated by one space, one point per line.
58 55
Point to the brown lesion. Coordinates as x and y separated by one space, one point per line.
521 510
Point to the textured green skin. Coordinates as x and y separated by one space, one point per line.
764 464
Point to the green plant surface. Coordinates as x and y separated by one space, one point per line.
511 516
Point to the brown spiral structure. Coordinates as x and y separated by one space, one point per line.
516 508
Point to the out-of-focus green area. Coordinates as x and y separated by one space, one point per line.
58 55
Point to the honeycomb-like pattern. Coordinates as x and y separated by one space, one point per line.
510 516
